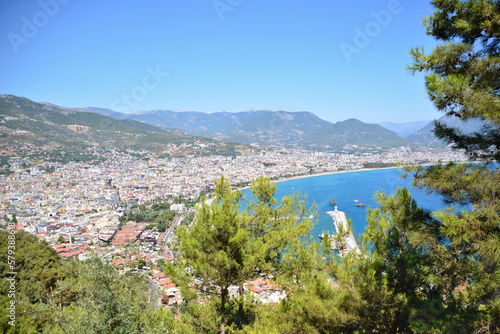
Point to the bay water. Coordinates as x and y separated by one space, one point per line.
346 189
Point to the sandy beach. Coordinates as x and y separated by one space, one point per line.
348 171
336 172
326 173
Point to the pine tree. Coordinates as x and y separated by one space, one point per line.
420 271
225 247
464 80
284 229
93 297
386 288
463 71
216 249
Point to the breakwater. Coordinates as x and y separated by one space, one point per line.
340 223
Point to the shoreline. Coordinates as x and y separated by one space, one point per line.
335 172
348 171
326 173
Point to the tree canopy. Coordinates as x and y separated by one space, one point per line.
464 70
463 79
225 247
53 295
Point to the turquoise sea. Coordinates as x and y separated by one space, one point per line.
348 187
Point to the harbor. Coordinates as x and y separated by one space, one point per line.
340 223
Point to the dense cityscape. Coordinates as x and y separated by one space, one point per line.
85 203
250 167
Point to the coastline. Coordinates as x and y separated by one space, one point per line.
326 173
348 171
336 172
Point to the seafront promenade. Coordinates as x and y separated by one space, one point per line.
340 220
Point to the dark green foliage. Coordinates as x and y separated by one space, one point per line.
464 71
37 268
157 214
105 302
141 263
225 248
160 206
56 296
479 145
463 80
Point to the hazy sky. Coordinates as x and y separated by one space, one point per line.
336 58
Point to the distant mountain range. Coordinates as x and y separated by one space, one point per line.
24 122
426 134
422 132
404 129
265 127
28 124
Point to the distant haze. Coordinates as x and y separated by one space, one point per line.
404 129
426 134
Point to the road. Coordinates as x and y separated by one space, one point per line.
177 222
171 231
153 298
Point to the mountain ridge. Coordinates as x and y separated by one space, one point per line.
404 129
26 123
265 127
426 135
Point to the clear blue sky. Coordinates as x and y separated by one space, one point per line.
222 55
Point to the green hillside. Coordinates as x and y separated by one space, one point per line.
24 123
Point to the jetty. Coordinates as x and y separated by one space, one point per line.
332 240
340 219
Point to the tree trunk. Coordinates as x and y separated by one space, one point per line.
239 320
223 310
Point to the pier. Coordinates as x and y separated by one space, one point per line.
333 242
340 219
